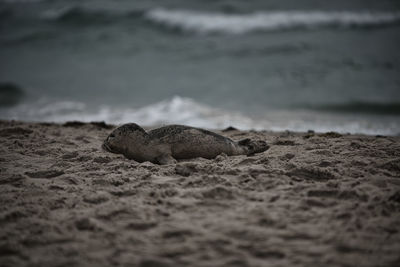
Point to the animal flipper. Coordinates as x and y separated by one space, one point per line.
244 142
165 159
253 146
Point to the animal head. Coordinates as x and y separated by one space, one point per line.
253 146
117 140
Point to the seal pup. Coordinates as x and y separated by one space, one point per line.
167 144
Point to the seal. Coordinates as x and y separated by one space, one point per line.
167 144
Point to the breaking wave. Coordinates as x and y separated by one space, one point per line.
219 22
203 22
180 110
177 110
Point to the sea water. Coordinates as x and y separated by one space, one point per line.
273 65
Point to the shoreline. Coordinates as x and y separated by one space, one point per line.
187 111
312 199
105 125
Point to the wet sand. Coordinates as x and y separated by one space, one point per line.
310 200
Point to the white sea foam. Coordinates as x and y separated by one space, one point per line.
180 110
204 22
175 110
54 14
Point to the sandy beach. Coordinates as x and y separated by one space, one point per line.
312 199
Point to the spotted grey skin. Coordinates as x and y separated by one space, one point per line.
167 144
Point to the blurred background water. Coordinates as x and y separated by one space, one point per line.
260 64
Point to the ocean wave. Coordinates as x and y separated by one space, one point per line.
178 110
181 110
219 22
79 15
204 22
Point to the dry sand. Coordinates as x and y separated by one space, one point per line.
310 200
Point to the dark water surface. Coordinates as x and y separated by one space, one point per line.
297 65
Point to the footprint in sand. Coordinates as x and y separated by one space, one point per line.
312 174
16 131
45 174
